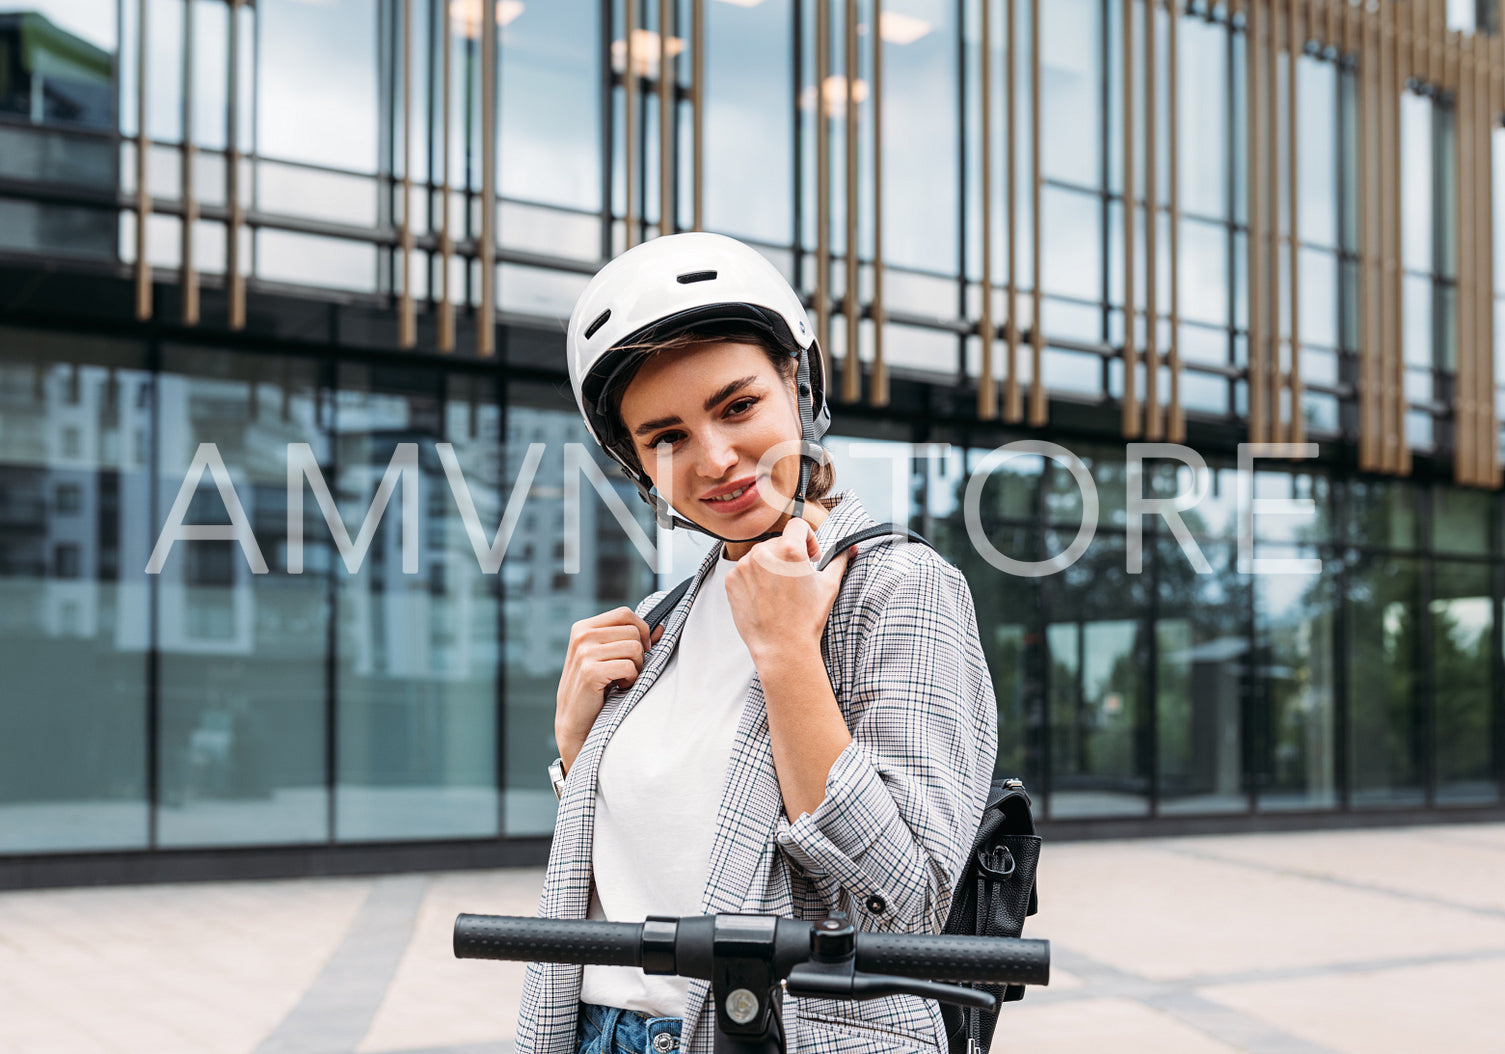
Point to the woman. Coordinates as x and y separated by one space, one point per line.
790 742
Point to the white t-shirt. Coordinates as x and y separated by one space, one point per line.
658 792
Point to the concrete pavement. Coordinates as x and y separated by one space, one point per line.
1314 943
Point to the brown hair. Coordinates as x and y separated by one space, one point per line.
822 475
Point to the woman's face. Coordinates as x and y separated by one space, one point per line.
700 420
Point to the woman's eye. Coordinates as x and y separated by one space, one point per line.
667 439
741 406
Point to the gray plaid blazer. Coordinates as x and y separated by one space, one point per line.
887 843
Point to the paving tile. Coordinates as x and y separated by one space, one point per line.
1091 1026
436 1000
1163 915
1465 868
1452 1008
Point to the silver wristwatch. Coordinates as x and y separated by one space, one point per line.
556 776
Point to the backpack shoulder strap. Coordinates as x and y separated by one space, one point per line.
885 531
889 532
663 607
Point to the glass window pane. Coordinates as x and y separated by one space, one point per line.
1385 732
749 121
75 439
297 64
416 673
1462 610
1202 647
1071 90
1316 152
1381 514
1461 520
1295 740
1097 642
242 667
550 72
1317 303
921 154
1203 263
1203 113
1416 182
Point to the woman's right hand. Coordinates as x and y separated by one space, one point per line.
605 651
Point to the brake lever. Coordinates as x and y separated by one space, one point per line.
815 980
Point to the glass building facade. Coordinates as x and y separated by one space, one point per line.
336 241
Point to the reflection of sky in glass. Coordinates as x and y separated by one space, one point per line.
1070 42
318 82
1202 103
920 143
91 20
749 121
1416 182
550 143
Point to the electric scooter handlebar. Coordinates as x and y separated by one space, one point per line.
686 947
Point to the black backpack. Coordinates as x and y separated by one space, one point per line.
996 890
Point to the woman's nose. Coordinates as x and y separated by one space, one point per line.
716 456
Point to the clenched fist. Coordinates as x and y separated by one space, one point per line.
605 651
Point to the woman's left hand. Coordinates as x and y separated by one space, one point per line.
779 601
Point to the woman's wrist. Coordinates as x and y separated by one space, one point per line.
569 747
775 657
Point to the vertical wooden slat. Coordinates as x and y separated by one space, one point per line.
823 184
1464 400
1254 44
1416 40
486 323
1013 395
235 281
667 87
697 111
1037 235
143 148
1176 426
1497 104
1130 357
189 274
878 383
1274 369
1153 421
407 318
1370 418
630 113
1483 250
1296 430
446 320
1396 327
851 372
987 388
1388 459
1436 39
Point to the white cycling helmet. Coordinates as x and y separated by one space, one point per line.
671 285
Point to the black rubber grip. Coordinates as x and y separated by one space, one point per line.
943 957
525 939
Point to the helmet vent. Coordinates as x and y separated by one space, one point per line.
590 330
696 276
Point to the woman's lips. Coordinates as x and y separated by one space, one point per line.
735 506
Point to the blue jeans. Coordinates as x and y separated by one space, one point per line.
610 1030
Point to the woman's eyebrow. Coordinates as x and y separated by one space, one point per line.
722 394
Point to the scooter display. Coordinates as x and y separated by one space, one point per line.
752 961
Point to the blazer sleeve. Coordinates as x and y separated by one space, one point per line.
903 800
